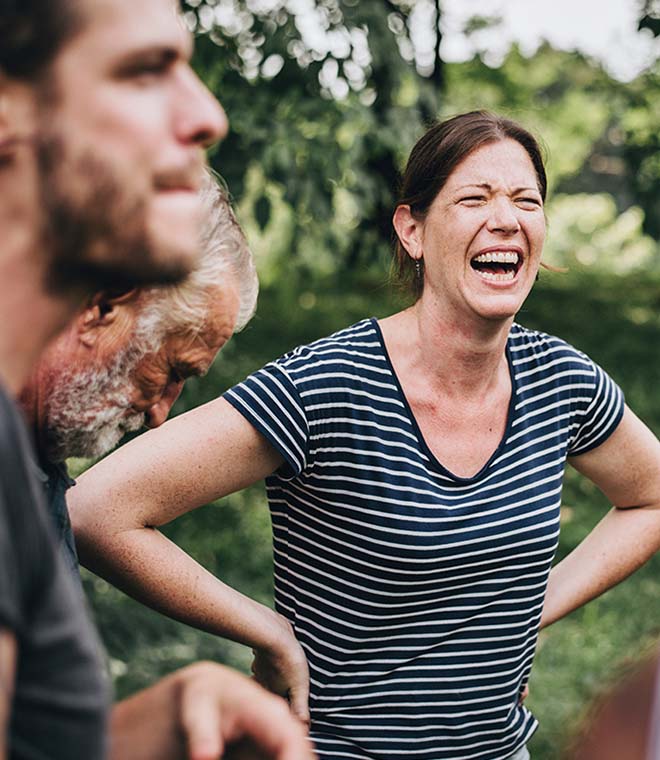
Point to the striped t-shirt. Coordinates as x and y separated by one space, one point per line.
417 594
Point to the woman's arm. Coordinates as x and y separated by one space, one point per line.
626 468
118 505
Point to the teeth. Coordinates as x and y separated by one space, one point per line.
497 277
498 257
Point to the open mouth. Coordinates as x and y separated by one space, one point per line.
497 266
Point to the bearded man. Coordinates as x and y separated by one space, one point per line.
122 362
103 127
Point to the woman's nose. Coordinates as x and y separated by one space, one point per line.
503 217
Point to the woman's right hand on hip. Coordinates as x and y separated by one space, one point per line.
282 668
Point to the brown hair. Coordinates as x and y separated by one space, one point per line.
435 156
32 32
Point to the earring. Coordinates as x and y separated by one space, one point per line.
418 269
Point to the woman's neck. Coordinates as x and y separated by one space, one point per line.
460 358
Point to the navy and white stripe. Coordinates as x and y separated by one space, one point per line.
415 593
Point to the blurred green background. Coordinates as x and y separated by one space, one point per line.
318 136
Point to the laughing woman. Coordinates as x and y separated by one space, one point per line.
414 468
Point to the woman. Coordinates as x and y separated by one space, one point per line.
414 469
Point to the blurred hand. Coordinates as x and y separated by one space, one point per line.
283 669
224 714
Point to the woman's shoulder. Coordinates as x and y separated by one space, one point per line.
361 338
537 348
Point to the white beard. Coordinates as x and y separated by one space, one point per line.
88 410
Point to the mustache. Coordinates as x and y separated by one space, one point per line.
188 176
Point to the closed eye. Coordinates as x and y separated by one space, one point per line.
529 202
473 199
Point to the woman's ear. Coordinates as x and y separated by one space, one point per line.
409 231
101 311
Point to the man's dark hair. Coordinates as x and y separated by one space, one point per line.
435 156
32 33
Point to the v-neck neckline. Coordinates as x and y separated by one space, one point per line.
426 449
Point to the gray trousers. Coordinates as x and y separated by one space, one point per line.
521 754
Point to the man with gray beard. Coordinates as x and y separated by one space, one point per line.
123 361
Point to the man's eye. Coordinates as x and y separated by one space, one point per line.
473 199
149 71
148 68
529 202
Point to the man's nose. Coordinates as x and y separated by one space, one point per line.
201 118
157 413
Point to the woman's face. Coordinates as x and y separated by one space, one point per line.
483 235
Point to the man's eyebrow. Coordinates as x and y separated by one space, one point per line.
152 55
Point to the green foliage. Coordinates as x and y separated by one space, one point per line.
585 232
640 116
316 142
650 17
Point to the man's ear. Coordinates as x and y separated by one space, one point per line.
17 115
101 311
409 231
7 128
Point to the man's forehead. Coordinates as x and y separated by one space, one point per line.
121 25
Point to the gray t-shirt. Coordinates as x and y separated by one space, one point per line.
60 703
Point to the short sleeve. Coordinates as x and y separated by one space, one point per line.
600 418
269 400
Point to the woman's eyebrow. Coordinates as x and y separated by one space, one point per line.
488 186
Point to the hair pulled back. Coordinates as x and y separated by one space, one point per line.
435 156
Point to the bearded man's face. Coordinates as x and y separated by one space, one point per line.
120 143
89 409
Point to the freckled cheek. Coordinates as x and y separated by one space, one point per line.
539 238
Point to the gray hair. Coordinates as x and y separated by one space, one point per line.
224 254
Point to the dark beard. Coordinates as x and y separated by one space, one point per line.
95 234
